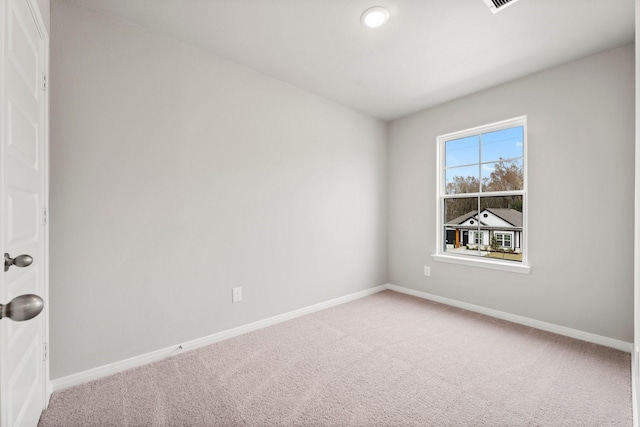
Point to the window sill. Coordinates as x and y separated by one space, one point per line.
494 265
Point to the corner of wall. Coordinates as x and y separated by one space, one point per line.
636 260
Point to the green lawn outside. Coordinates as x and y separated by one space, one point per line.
504 255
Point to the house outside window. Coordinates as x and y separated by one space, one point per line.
482 196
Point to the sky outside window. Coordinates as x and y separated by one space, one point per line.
503 144
471 161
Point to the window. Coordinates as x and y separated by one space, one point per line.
478 237
503 240
482 196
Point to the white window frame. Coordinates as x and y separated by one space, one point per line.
496 264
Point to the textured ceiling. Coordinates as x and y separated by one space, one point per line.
430 51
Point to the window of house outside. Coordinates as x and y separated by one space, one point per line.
503 240
482 196
478 237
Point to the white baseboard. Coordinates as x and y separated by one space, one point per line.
113 368
549 327
133 362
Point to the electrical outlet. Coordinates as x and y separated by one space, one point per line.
236 295
427 270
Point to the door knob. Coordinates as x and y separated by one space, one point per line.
21 308
19 261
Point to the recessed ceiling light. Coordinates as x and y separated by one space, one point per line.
374 17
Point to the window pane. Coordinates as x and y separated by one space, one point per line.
502 219
503 176
461 227
503 144
502 202
463 151
494 232
462 180
458 210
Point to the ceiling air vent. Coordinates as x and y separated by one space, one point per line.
496 6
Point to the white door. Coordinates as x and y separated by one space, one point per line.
22 185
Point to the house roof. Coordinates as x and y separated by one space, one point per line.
512 216
463 218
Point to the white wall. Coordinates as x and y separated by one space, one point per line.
176 176
581 176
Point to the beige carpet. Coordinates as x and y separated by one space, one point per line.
385 360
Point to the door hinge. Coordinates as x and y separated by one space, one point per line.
45 82
45 217
45 352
